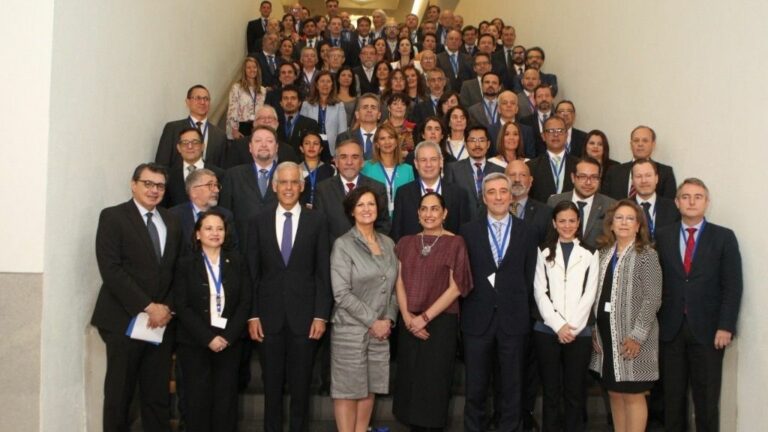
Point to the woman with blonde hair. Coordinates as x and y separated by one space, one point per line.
245 98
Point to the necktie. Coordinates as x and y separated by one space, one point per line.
510 64
513 208
191 168
335 42
582 222
272 65
690 245
264 24
286 243
311 43
350 187
648 218
368 146
430 190
556 174
498 254
632 191
197 216
263 181
455 64
199 126
479 177
289 127
154 236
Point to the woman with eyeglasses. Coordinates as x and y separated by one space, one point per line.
626 336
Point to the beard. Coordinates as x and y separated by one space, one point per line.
518 189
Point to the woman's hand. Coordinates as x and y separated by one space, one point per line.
630 348
595 344
218 344
408 319
565 334
236 134
381 329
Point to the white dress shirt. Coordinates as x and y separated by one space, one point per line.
157 220
280 222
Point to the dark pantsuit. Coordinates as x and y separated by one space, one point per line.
479 353
210 386
278 352
131 362
563 371
682 357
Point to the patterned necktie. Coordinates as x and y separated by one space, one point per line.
154 236
286 244
690 245
190 169
455 64
513 208
368 146
479 178
350 187
271 61
263 181
498 254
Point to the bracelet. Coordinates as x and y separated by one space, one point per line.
425 317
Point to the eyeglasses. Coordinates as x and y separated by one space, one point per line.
213 186
627 219
586 177
149 184
190 143
200 98
477 140
564 111
554 131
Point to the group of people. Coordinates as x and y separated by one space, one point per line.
414 183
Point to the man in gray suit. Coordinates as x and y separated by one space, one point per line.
486 112
471 89
592 205
468 173
526 101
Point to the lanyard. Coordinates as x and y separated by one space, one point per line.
492 115
556 171
253 94
390 181
500 247
312 182
685 236
269 174
216 281
204 131
461 152
321 118
615 259
437 190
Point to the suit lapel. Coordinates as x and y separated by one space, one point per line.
139 225
271 233
597 208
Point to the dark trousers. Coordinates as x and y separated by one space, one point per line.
131 362
286 355
479 352
210 386
686 360
563 371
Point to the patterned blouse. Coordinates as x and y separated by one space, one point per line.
243 105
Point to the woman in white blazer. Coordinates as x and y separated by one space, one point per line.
324 106
565 287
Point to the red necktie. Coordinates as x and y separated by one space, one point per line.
690 245
632 191
350 187
430 190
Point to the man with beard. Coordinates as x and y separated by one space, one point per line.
486 112
525 101
534 58
472 89
543 96
535 214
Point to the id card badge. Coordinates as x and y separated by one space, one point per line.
607 307
324 137
219 322
492 280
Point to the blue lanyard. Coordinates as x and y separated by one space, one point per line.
269 174
492 115
615 259
321 118
461 152
500 247
556 171
205 129
253 94
390 181
312 182
216 281
651 223
437 190
684 235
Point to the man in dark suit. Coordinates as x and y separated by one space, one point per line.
239 151
659 211
552 169
190 147
428 162
428 108
456 65
575 139
496 315
468 173
504 60
367 115
293 125
269 62
534 58
508 107
258 27
471 89
331 192
364 70
246 190
469 37
543 97
360 38
526 99
699 309
537 215
137 244
215 140
289 258
592 205
617 182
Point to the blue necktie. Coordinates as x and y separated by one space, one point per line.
263 181
286 243
368 146
479 178
455 65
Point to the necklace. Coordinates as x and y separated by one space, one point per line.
427 248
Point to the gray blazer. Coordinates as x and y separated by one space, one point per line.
594 226
363 284
471 93
461 174
523 106
335 121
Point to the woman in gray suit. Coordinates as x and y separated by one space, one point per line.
324 106
363 275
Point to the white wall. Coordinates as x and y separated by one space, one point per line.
120 71
695 71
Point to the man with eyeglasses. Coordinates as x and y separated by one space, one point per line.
137 243
436 83
543 95
575 138
190 147
472 89
552 168
534 59
239 151
214 139
468 173
592 205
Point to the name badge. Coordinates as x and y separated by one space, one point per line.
492 279
219 322
607 307
324 137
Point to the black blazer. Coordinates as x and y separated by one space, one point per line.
666 212
183 213
254 33
303 125
465 69
616 183
240 194
295 294
513 286
329 200
268 78
711 292
405 219
366 85
166 149
131 276
538 217
533 122
239 153
324 171
192 299
461 173
509 78
543 179
578 141
175 190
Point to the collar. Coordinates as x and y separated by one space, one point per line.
196 209
651 200
266 167
345 181
505 219
372 132
198 165
522 201
144 210
433 186
697 226
561 154
295 210
588 200
202 120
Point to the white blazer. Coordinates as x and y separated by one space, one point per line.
335 121
566 295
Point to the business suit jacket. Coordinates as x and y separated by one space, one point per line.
420 112
335 123
175 190
329 200
578 141
524 106
711 292
538 216
666 213
405 219
268 78
529 142
183 213
192 299
366 85
594 224
465 70
131 276
533 122
167 154
461 173
239 153
471 92
616 183
471 51
509 78
253 34
543 179
550 79
290 295
303 125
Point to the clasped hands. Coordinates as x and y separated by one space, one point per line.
159 315
416 325
255 330
629 348
381 329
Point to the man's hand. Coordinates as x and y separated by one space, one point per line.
159 315
317 329
218 344
723 339
255 330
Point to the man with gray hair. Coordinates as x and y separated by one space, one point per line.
190 148
428 161
379 20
